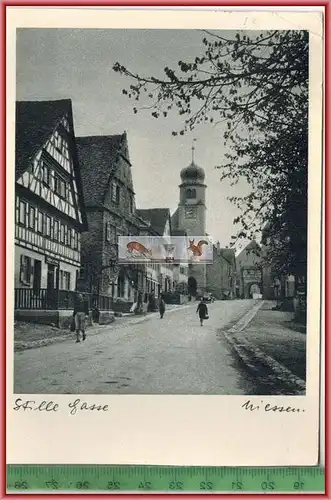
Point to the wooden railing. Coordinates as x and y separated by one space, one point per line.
28 298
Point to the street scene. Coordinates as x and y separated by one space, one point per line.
161 212
152 356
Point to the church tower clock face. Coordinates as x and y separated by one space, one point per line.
190 212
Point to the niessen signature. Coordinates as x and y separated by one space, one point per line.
267 407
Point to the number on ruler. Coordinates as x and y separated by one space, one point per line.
175 485
206 485
52 484
82 485
21 485
145 485
298 485
237 485
268 485
114 485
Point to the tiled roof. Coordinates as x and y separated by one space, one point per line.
35 122
157 218
97 158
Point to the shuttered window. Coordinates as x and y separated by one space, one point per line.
22 214
26 270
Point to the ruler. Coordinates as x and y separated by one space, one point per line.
111 478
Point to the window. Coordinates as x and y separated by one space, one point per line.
64 280
32 217
44 174
66 235
40 222
22 214
108 232
26 269
56 230
48 226
62 234
118 195
60 186
74 239
191 193
113 190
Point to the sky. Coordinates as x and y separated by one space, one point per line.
77 64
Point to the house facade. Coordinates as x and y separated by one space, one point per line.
221 273
167 277
49 206
249 273
111 213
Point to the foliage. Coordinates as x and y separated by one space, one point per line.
254 85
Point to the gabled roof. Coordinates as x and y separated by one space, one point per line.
157 217
252 245
97 158
35 122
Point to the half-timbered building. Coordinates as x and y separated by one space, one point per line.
49 205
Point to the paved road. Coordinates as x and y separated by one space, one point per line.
170 356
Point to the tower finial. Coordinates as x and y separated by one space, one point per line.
193 149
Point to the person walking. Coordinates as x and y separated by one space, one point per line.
161 306
202 309
81 311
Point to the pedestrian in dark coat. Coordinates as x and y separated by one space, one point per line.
202 309
161 307
81 311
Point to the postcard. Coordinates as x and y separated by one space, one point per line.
164 233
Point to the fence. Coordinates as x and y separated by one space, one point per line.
28 298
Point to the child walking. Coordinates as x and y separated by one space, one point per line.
202 309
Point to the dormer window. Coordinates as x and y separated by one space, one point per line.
191 193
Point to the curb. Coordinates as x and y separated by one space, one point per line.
254 358
247 318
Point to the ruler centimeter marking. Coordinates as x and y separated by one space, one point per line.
83 478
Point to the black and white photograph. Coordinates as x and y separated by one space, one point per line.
191 135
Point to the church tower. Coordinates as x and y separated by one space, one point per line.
192 200
191 218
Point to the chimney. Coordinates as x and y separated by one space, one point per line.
218 246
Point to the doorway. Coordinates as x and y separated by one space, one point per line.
52 285
192 286
37 276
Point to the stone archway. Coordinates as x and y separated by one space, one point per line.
192 286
